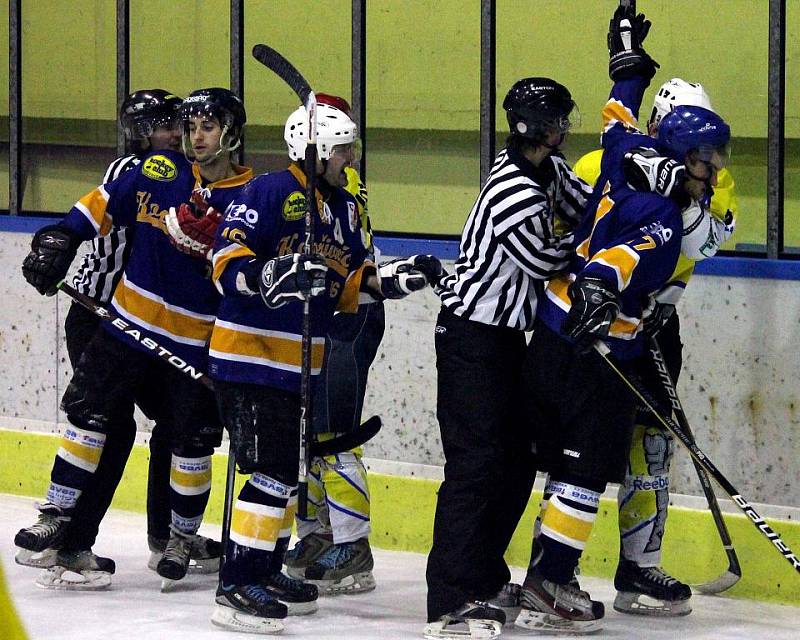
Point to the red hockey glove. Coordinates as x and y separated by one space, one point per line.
190 234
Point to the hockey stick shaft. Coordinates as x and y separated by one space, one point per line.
647 399
725 581
347 441
227 507
284 69
135 333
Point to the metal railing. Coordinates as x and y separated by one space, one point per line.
488 97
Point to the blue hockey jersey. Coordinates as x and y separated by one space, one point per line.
632 240
162 291
252 343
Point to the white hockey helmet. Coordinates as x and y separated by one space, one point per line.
334 127
677 92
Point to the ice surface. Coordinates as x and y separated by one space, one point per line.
135 608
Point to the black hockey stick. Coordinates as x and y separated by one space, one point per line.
347 441
227 507
291 76
734 571
135 333
647 399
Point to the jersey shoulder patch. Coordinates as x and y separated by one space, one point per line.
159 168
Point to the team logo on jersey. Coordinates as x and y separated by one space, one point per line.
160 168
294 207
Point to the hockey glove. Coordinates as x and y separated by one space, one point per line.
53 249
595 305
294 276
402 276
190 234
656 316
627 58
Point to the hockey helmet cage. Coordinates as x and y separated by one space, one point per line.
677 92
691 128
535 105
334 101
143 111
223 105
334 127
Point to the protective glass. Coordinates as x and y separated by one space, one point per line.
355 147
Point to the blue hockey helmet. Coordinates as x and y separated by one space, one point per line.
691 128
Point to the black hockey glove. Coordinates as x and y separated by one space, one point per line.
656 316
627 58
294 276
402 276
53 249
595 305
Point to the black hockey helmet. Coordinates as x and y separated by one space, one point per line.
219 103
535 105
143 111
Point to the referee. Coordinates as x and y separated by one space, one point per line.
517 235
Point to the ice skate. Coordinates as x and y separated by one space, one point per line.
548 607
299 598
47 532
649 591
78 571
343 568
175 562
248 609
472 621
203 559
508 599
305 553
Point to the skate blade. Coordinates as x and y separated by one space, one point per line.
639 604
472 629
37 559
201 566
300 608
229 618
61 578
542 622
356 583
169 585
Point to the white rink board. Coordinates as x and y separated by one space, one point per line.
134 607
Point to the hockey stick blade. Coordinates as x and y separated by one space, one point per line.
723 583
347 441
284 69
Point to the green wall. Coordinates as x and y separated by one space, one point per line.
422 80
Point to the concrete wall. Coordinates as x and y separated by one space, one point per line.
738 386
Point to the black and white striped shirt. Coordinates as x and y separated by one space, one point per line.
509 246
101 268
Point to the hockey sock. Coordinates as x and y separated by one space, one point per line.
316 501
190 486
347 496
75 463
282 543
258 519
643 497
566 525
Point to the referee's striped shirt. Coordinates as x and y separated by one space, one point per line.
508 246
101 268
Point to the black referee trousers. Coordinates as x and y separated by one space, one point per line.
489 469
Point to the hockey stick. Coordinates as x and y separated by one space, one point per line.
347 441
291 76
135 333
647 399
734 571
227 507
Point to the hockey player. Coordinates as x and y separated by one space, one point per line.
644 496
508 249
161 293
255 350
149 121
626 252
333 551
